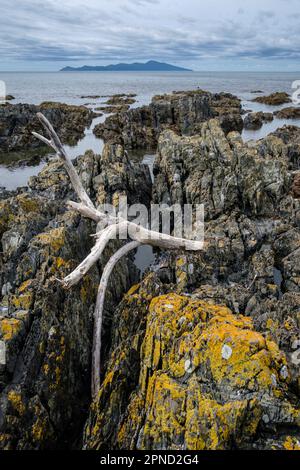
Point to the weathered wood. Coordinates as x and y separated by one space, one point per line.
56 144
98 315
107 234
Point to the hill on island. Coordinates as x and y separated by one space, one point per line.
150 66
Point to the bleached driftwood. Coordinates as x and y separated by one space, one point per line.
99 310
139 235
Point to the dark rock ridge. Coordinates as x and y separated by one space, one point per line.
181 111
256 120
19 120
275 99
7 98
288 113
208 360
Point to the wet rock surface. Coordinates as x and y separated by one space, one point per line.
182 111
18 121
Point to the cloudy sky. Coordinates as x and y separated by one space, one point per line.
202 35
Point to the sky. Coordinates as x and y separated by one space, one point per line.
46 35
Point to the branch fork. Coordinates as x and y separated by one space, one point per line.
139 235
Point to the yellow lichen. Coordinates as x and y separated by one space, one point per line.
15 399
22 301
133 289
39 429
55 238
10 328
291 443
191 352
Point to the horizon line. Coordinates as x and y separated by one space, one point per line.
151 71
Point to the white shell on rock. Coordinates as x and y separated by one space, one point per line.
188 366
226 352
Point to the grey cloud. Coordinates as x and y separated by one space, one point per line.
106 31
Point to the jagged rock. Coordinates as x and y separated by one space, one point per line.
176 390
275 99
19 120
46 331
296 186
120 100
256 120
288 113
250 261
182 111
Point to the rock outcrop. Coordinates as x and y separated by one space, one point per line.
256 120
19 120
46 332
213 364
275 99
189 375
203 352
288 113
181 111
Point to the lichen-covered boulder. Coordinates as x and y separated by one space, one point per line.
207 380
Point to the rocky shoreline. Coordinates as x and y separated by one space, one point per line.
17 121
201 353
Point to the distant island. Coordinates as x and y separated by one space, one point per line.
150 66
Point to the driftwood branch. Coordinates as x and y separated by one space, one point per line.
138 234
56 144
96 360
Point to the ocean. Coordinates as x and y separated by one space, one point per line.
70 87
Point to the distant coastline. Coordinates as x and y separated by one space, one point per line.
150 66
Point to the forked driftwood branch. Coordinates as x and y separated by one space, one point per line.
138 234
